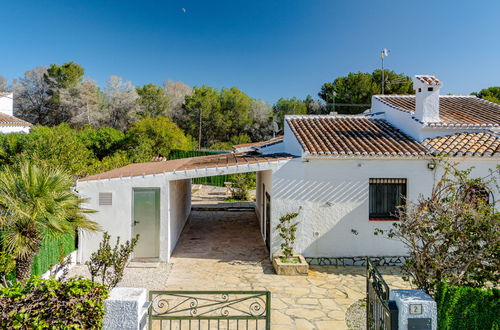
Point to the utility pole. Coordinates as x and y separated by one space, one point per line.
334 94
383 54
199 133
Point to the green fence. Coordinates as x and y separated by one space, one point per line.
51 252
209 180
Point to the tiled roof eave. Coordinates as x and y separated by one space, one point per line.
191 167
428 155
15 124
367 156
457 125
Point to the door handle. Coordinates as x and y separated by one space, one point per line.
136 222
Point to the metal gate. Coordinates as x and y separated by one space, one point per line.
210 310
381 313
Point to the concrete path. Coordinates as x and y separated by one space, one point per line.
225 251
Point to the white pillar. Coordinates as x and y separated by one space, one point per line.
416 309
126 309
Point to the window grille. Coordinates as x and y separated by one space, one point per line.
386 194
105 198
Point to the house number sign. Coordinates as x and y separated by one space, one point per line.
415 309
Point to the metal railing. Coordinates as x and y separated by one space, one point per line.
210 310
381 313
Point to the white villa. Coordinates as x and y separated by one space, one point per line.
346 173
9 123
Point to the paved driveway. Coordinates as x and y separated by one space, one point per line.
225 251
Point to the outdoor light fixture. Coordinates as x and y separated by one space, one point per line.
431 165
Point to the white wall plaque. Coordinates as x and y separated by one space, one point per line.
415 309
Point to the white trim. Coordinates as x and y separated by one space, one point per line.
199 173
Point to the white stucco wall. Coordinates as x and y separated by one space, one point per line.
291 144
179 209
263 178
116 219
14 129
333 195
399 119
7 104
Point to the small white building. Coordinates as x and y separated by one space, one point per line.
9 123
345 173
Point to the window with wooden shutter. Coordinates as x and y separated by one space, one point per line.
385 197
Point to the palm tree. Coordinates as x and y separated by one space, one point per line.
36 202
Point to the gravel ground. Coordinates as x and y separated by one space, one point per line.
355 316
154 278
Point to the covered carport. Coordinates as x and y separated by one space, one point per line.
153 199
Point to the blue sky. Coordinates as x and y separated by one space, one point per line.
269 49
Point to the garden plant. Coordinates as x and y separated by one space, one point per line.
36 201
287 231
453 235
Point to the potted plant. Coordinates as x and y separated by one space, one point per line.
287 262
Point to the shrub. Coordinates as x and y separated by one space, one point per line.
461 307
108 263
452 235
7 267
37 303
242 184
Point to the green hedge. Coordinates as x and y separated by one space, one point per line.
42 304
209 180
51 252
467 308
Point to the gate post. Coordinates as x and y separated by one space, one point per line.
417 310
127 309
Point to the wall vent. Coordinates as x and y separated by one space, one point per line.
105 198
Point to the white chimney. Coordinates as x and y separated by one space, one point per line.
427 98
7 103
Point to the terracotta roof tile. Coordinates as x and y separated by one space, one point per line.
260 144
192 163
428 79
6 120
352 135
454 110
465 144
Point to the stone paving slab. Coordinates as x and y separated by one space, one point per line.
225 251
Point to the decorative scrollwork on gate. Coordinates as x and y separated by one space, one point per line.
209 304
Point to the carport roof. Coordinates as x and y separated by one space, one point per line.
193 163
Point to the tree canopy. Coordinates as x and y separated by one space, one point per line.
152 101
292 106
491 94
352 93
158 136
